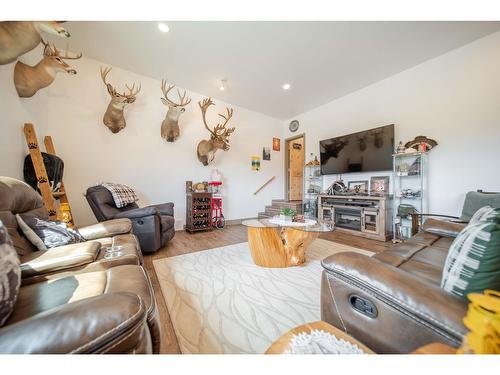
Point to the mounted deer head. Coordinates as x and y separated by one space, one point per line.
218 137
19 37
378 136
29 79
114 118
169 127
334 148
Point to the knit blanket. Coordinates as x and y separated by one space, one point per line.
123 195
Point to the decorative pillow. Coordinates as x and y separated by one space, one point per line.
10 275
49 233
473 261
486 213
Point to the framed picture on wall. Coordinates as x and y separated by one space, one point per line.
276 144
266 153
379 184
358 186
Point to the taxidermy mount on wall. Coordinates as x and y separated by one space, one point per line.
19 37
113 117
29 79
170 130
218 137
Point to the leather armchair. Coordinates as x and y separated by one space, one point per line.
392 301
153 225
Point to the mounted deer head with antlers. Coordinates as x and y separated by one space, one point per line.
218 137
19 37
170 130
114 118
29 79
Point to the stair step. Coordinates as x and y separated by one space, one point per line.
263 215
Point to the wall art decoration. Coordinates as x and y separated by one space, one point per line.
170 130
19 37
358 186
276 144
29 79
266 153
379 184
114 118
219 136
255 163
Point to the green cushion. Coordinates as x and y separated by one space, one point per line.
473 261
475 200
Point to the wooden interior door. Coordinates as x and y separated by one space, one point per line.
295 168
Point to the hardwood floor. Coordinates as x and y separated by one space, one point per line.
184 243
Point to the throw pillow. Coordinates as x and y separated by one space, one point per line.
51 233
486 213
30 234
473 261
10 275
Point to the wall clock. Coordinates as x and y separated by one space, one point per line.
294 126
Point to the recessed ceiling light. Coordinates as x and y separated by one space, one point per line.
222 86
286 86
163 27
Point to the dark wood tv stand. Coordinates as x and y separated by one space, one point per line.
362 215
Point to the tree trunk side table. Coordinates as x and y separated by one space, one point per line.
277 244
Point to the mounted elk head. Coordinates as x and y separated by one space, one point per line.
19 37
170 126
218 137
29 79
114 118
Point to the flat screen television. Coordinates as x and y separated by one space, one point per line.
366 151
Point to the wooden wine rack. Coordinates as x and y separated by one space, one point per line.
198 212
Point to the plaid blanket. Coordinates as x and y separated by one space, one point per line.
123 195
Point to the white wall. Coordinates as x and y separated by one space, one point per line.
14 112
454 98
139 157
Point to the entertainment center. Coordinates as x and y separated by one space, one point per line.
364 215
355 210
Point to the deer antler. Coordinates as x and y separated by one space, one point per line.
132 90
183 100
226 119
204 104
48 50
67 57
104 74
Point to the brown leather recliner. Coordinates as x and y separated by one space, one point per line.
71 273
153 225
392 302
77 315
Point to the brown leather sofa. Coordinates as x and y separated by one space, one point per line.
392 302
72 299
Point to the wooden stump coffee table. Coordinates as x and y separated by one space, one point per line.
277 244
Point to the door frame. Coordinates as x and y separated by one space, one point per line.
287 163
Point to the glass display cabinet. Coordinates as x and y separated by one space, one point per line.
313 184
410 192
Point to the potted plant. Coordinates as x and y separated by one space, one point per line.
287 214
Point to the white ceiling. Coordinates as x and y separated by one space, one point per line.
321 60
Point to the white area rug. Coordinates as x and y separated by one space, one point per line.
221 302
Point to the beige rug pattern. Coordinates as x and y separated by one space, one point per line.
221 302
